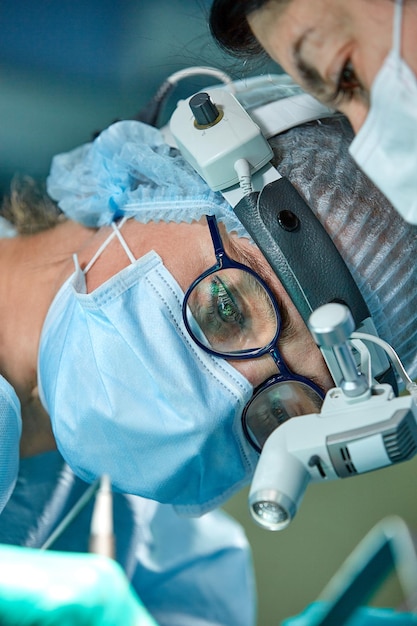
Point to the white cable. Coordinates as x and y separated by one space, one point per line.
412 389
394 358
242 169
365 359
72 514
202 70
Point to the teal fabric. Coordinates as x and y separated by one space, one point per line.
364 616
63 589
186 571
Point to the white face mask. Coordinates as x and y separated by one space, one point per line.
130 394
385 148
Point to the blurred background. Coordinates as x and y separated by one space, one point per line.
69 68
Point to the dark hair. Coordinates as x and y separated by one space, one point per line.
230 29
29 208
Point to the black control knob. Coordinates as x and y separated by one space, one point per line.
204 110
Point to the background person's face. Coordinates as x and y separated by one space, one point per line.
187 251
334 48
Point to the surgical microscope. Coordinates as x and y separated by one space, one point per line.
363 424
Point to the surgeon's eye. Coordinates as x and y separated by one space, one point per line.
224 319
224 303
233 311
348 85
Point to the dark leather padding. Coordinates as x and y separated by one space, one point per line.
305 260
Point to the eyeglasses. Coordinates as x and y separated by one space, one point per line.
230 312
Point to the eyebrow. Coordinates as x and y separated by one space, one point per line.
311 77
249 258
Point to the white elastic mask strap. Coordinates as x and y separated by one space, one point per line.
396 36
122 241
116 233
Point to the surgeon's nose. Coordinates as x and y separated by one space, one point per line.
256 371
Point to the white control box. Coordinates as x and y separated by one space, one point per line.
213 149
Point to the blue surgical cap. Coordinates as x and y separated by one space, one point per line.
130 171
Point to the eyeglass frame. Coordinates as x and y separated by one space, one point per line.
284 373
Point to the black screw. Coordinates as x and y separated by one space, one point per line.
288 221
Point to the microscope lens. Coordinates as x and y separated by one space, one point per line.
270 512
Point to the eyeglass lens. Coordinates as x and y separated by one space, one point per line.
230 313
275 404
233 311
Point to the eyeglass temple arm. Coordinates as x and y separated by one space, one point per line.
215 235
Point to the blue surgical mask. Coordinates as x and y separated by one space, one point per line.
130 394
10 431
385 148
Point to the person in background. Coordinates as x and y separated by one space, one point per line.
359 57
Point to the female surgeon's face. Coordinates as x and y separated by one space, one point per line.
334 48
187 251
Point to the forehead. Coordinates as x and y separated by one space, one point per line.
282 27
186 250
310 40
